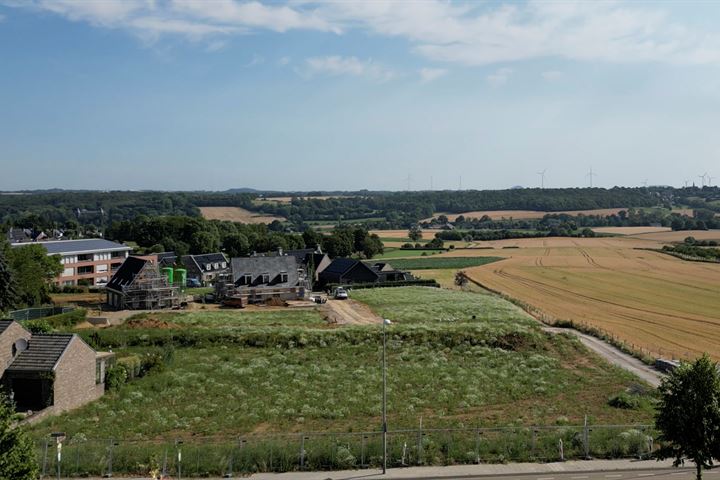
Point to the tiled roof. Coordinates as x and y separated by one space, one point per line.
42 354
340 265
78 246
4 324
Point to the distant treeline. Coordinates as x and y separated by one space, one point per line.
702 219
70 209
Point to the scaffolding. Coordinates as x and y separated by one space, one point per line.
150 290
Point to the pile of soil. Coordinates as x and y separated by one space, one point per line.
149 322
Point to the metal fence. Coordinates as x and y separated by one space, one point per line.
38 312
202 457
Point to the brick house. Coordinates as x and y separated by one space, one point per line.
88 262
257 279
51 372
138 285
205 268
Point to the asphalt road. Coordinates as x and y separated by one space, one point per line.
655 474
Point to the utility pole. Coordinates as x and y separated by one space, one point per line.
384 399
591 175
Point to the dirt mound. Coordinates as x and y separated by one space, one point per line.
149 322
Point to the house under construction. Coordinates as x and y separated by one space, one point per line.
259 279
139 285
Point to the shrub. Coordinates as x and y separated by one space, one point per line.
38 326
116 376
624 400
66 320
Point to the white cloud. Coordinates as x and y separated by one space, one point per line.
499 77
429 74
215 46
255 60
336 65
440 30
552 75
282 61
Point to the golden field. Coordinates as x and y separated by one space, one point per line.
525 214
236 214
652 301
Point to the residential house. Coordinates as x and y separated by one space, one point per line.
88 262
205 268
311 260
139 285
346 271
56 371
386 273
259 278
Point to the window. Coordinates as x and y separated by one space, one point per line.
85 270
68 272
208 267
283 277
247 279
224 264
217 265
84 258
101 268
265 278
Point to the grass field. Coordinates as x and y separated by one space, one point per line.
285 371
237 214
394 252
653 302
437 263
630 230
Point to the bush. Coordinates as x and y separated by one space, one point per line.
132 365
38 326
116 377
66 320
625 401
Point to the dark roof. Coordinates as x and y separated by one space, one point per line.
42 354
212 258
340 265
4 324
78 246
272 266
126 273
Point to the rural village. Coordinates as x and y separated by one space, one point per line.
359 239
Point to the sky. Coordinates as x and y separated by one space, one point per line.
304 95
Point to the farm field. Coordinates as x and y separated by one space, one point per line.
287 200
444 262
237 214
630 230
525 214
679 236
396 252
654 302
455 358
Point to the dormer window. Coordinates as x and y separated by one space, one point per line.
217 265
247 279
265 278
283 277
224 264
208 267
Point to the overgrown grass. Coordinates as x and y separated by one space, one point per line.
252 373
393 252
436 263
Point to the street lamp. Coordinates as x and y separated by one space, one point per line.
384 399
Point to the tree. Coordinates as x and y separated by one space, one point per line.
236 245
414 233
33 270
7 282
688 415
372 245
17 453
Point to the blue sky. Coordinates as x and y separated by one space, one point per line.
305 95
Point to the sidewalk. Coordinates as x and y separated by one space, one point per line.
459 471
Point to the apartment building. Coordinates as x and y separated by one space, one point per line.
90 262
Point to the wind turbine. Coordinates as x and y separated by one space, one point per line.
542 178
591 175
408 181
645 182
686 183
702 178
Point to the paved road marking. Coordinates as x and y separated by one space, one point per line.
646 474
613 476
679 473
578 478
545 478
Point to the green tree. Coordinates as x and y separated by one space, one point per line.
415 233
33 271
204 242
17 455
7 282
372 245
688 415
236 245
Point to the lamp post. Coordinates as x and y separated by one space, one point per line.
384 399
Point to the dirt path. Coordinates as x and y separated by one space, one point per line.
614 356
348 312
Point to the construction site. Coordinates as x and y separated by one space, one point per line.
140 285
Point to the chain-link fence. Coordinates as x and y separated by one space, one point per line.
202 457
38 312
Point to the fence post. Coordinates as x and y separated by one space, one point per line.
560 447
302 451
477 446
419 444
110 459
44 465
586 439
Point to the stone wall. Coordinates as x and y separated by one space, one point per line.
7 339
75 377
